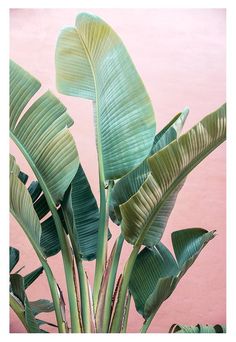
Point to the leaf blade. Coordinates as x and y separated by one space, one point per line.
92 62
129 184
169 167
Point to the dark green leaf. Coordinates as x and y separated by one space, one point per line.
30 319
41 305
41 206
17 286
32 276
34 190
23 177
49 238
188 243
153 269
14 257
156 273
81 213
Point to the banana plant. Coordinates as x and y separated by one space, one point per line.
141 172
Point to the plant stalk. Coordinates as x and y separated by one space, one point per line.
118 315
84 295
19 311
126 314
55 296
102 238
85 299
110 285
147 323
68 267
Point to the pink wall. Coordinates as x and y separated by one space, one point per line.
180 55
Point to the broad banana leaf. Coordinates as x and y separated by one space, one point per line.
156 273
41 305
128 185
81 213
49 241
41 207
44 139
32 276
14 257
44 236
20 303
42 134
85 217
92 62
204 329
169 167
22 209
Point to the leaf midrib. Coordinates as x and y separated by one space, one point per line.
97 121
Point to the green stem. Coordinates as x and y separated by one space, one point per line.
110 285
147 323
55 296
65 248
118 315
102 238
84 294
19 311
68 267
126 315
85 299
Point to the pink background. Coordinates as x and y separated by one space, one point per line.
180 55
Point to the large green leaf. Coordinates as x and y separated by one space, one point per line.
92 62
29 278
156 273
199 329
169 168
128 185
42 134
41 305
13 257
49 237
25 309
32 276
22 209
49 241
82 214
